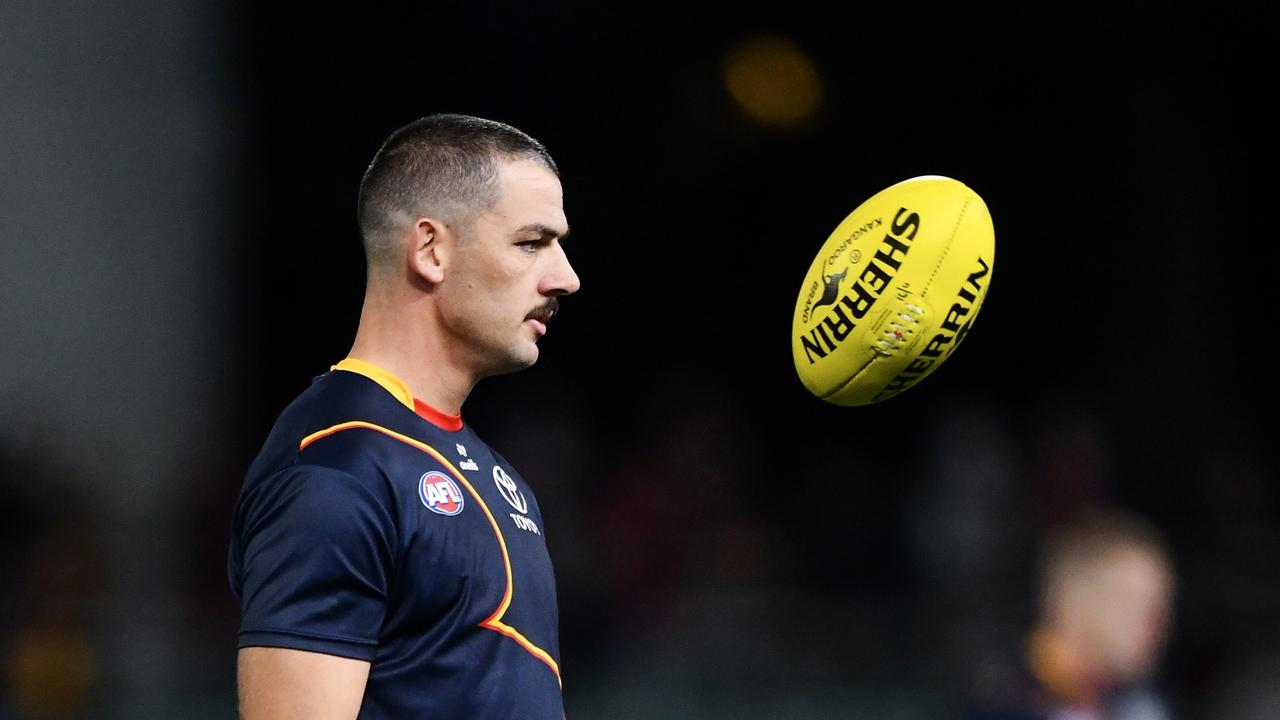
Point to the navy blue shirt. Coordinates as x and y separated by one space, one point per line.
368 531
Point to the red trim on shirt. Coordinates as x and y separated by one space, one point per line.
452 423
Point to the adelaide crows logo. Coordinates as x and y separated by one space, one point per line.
440 493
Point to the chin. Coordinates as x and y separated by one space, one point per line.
517 360
1133 670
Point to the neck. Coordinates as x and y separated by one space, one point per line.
403 336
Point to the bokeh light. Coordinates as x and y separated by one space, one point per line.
774 82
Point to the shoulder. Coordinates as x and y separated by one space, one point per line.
347 426
1017 695
336 397
313 423
316 492
303 510
1141 701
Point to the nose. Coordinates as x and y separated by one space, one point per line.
560 279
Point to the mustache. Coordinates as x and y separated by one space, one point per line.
545 310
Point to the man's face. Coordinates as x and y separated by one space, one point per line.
1132 593
507 270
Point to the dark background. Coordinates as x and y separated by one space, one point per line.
181 258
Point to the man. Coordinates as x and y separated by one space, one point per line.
388 563
1105 599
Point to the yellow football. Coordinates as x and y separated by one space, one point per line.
893 291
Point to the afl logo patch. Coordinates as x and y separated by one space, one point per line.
440 493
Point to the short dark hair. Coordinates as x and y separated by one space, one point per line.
444 165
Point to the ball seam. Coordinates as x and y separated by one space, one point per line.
947 250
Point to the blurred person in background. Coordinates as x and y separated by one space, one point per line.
52 573
1107 585
389 564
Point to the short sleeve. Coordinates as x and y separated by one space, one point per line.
312 556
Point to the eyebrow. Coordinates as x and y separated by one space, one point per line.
543 230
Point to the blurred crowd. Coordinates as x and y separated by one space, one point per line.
1009 571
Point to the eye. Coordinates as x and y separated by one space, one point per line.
529 245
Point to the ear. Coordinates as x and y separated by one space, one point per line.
429 251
